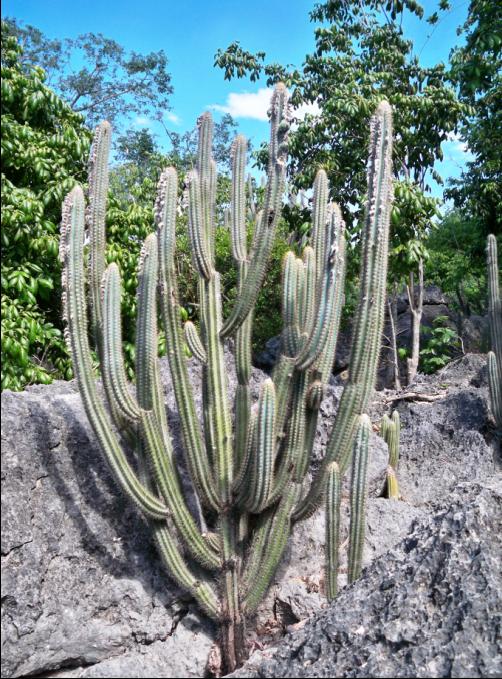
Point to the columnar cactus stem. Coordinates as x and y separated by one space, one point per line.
333 499
495 318
358 496
390 431
248 475
370 314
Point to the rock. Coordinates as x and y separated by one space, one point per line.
444 442
81 582
428 608
475 333
83 591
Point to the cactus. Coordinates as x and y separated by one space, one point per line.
248 474
390 430
495 319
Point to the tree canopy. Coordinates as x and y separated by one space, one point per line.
362 56
95 75
44 151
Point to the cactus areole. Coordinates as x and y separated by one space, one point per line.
248 468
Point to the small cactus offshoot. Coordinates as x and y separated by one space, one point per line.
390 430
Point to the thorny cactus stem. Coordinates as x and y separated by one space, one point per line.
390 431
249 473
495 318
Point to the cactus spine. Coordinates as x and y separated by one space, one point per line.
495 318
248 474
390 430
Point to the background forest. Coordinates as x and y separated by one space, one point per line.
362 54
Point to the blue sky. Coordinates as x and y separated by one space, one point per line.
190 32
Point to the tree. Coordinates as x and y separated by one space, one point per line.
112 84
362 57
44 150
477 69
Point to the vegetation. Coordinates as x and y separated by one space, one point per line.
250 481
109 83
495 316
44 147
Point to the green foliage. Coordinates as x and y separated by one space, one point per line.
108 83
44 149
361 57
477 70
440 347
457 262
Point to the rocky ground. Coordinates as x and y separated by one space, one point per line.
84 594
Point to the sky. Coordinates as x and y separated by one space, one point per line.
191 31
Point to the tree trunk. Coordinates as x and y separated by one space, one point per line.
392 307
416 301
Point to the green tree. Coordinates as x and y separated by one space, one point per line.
362 57
44 150
111 84
477 69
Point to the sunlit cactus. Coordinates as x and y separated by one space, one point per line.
249 464
495 318
390 431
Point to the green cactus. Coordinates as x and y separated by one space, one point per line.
390 430
249 474
495 318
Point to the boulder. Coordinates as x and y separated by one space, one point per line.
431 607
83 590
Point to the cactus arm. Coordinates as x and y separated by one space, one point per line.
291 464
495 320
238 200
243 335
307 311
276 542
495 386
114 375
179 571
329 308
358 496
494 302
319 239
390 428
190 429
194 342
206 171
333 499
272 207
263 460
196 227
96 222
290 333
72 237
217 384
168 485
370 313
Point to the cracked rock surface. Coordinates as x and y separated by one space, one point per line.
431 607
83 591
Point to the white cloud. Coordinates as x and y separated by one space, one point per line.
303 109
172 117
256 104
247 104
142 121
456 145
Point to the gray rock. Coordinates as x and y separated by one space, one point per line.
83 591
81 579
429 608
